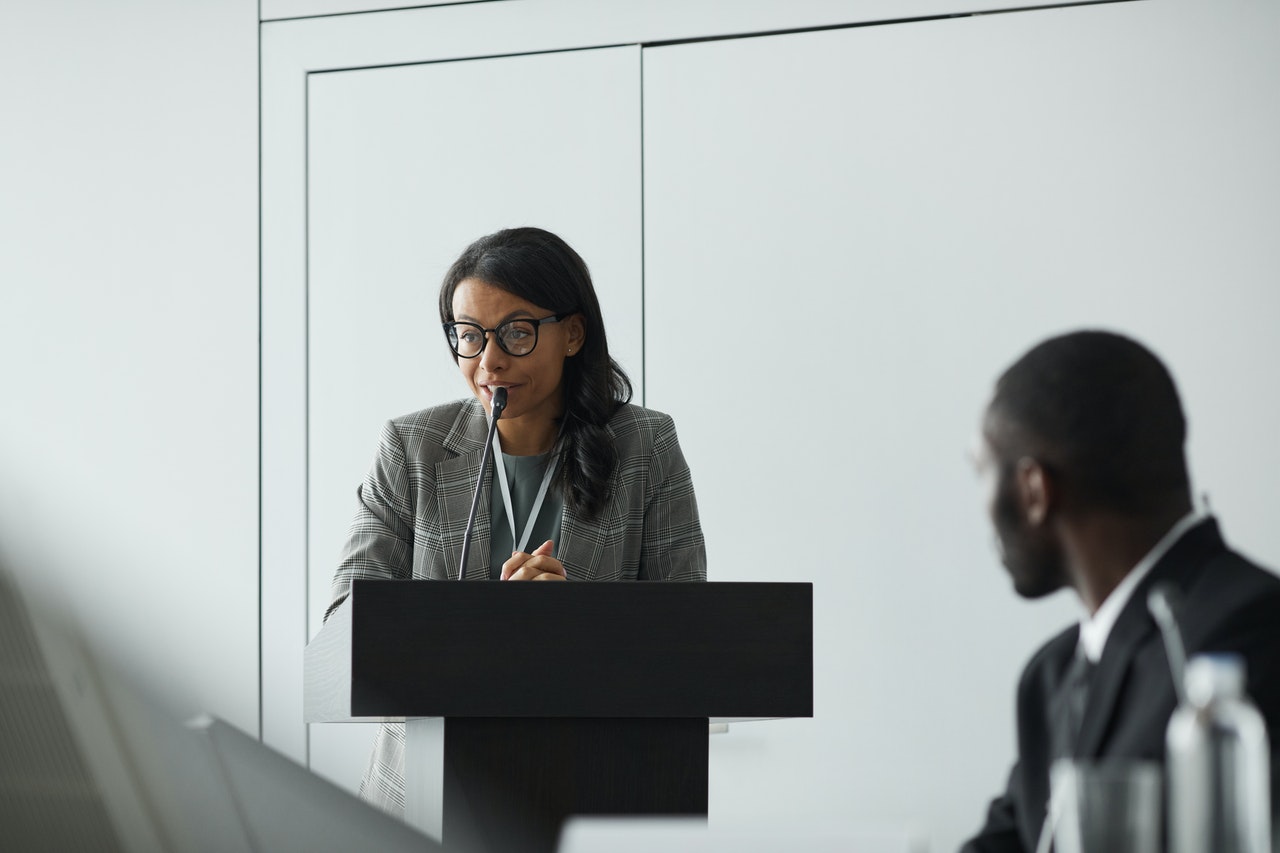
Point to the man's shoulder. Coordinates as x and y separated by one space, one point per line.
1233 569
1229 591
1208 565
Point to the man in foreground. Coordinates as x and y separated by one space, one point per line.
1088 487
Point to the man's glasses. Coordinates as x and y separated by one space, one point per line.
516 337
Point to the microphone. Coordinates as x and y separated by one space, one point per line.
496 406
1162 602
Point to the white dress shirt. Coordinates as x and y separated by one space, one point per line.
1095 630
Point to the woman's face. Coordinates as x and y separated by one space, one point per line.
534 381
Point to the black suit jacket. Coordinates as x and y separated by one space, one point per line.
1228 604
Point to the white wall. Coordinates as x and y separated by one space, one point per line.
899 212
129 320
956 189
128 333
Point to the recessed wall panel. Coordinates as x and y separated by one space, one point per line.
406 166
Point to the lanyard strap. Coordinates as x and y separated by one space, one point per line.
506 491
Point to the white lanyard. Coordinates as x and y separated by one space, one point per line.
506 491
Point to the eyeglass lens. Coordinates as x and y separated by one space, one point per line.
517 337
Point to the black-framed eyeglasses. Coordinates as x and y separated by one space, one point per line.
516 337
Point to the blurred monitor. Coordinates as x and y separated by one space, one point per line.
88 764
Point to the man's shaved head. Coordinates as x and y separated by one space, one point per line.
1100 411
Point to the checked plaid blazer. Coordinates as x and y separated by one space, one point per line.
412 512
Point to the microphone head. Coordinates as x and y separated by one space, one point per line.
499 402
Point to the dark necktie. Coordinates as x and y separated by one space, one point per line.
1072 699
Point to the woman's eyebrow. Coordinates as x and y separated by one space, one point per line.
518 314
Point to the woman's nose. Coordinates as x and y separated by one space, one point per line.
493 356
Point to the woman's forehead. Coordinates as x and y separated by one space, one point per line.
480 300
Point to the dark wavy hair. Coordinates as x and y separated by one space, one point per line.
541 268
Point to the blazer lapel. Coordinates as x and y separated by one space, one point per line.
575 548
1135 628
455 485
585 544
566 548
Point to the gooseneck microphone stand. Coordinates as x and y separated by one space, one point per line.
496 406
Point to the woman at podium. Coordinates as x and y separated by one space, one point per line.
583 485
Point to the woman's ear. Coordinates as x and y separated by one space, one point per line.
576 333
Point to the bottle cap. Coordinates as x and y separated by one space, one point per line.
1214 676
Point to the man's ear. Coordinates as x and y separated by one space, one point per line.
1037 492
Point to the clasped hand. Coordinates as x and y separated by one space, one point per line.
538 566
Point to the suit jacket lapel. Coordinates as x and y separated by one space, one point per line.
455 484
1131 631
1135 628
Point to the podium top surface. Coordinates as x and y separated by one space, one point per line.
402 649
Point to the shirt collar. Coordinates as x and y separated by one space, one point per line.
1094 631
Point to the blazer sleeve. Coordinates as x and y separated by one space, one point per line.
379 543
672 547
1014 818
1000 832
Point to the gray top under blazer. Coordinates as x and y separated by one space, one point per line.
412 512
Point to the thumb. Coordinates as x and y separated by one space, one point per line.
544 550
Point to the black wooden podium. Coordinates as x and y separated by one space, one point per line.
529 702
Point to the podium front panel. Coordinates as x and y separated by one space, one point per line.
581 649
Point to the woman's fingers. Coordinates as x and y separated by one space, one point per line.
548 565
527 574
513 563
539 565
535 566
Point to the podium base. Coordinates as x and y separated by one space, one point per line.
509 783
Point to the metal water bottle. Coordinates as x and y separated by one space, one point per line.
1218 763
